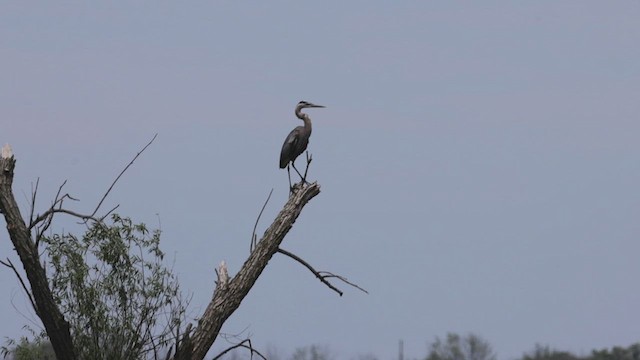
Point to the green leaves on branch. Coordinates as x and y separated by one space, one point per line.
119 298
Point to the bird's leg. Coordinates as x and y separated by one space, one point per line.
289 174
309 158
294 167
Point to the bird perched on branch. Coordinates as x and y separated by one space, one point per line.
297 141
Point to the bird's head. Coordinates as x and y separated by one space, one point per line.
306 104
303 105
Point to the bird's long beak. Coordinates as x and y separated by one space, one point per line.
314 105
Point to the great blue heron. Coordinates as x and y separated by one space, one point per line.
297 140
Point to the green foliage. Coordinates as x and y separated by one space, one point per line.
119 299
470 347
27 350
37 347
618 353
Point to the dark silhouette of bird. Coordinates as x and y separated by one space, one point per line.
297 140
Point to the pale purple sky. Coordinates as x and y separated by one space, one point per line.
479 161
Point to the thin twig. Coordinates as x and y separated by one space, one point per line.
241 345
327 275
57 201
108 213
34 192
28 317
308 266
322 275
47 217
253 234
10 265
121 173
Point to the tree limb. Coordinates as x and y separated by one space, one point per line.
120 175
321 275
10 265
314 271
52 211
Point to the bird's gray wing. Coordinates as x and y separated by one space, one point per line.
288 148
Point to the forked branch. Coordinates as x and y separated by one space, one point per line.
321 275
246 344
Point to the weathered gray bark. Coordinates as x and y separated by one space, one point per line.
46 308
228 295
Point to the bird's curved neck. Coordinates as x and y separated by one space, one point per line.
304 117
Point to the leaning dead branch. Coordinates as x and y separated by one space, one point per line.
226 301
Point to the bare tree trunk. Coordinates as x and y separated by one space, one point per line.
229 294
45 306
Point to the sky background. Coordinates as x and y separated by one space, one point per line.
479 161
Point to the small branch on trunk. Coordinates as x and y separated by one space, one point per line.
57 201
10 265
321 275
34 192
254 237
223 276
314 271
49 214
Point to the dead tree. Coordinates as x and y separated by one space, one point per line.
42 300
195 341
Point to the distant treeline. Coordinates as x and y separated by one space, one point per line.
473 347
452 347
631 352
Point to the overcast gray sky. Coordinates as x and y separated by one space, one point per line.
479 161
